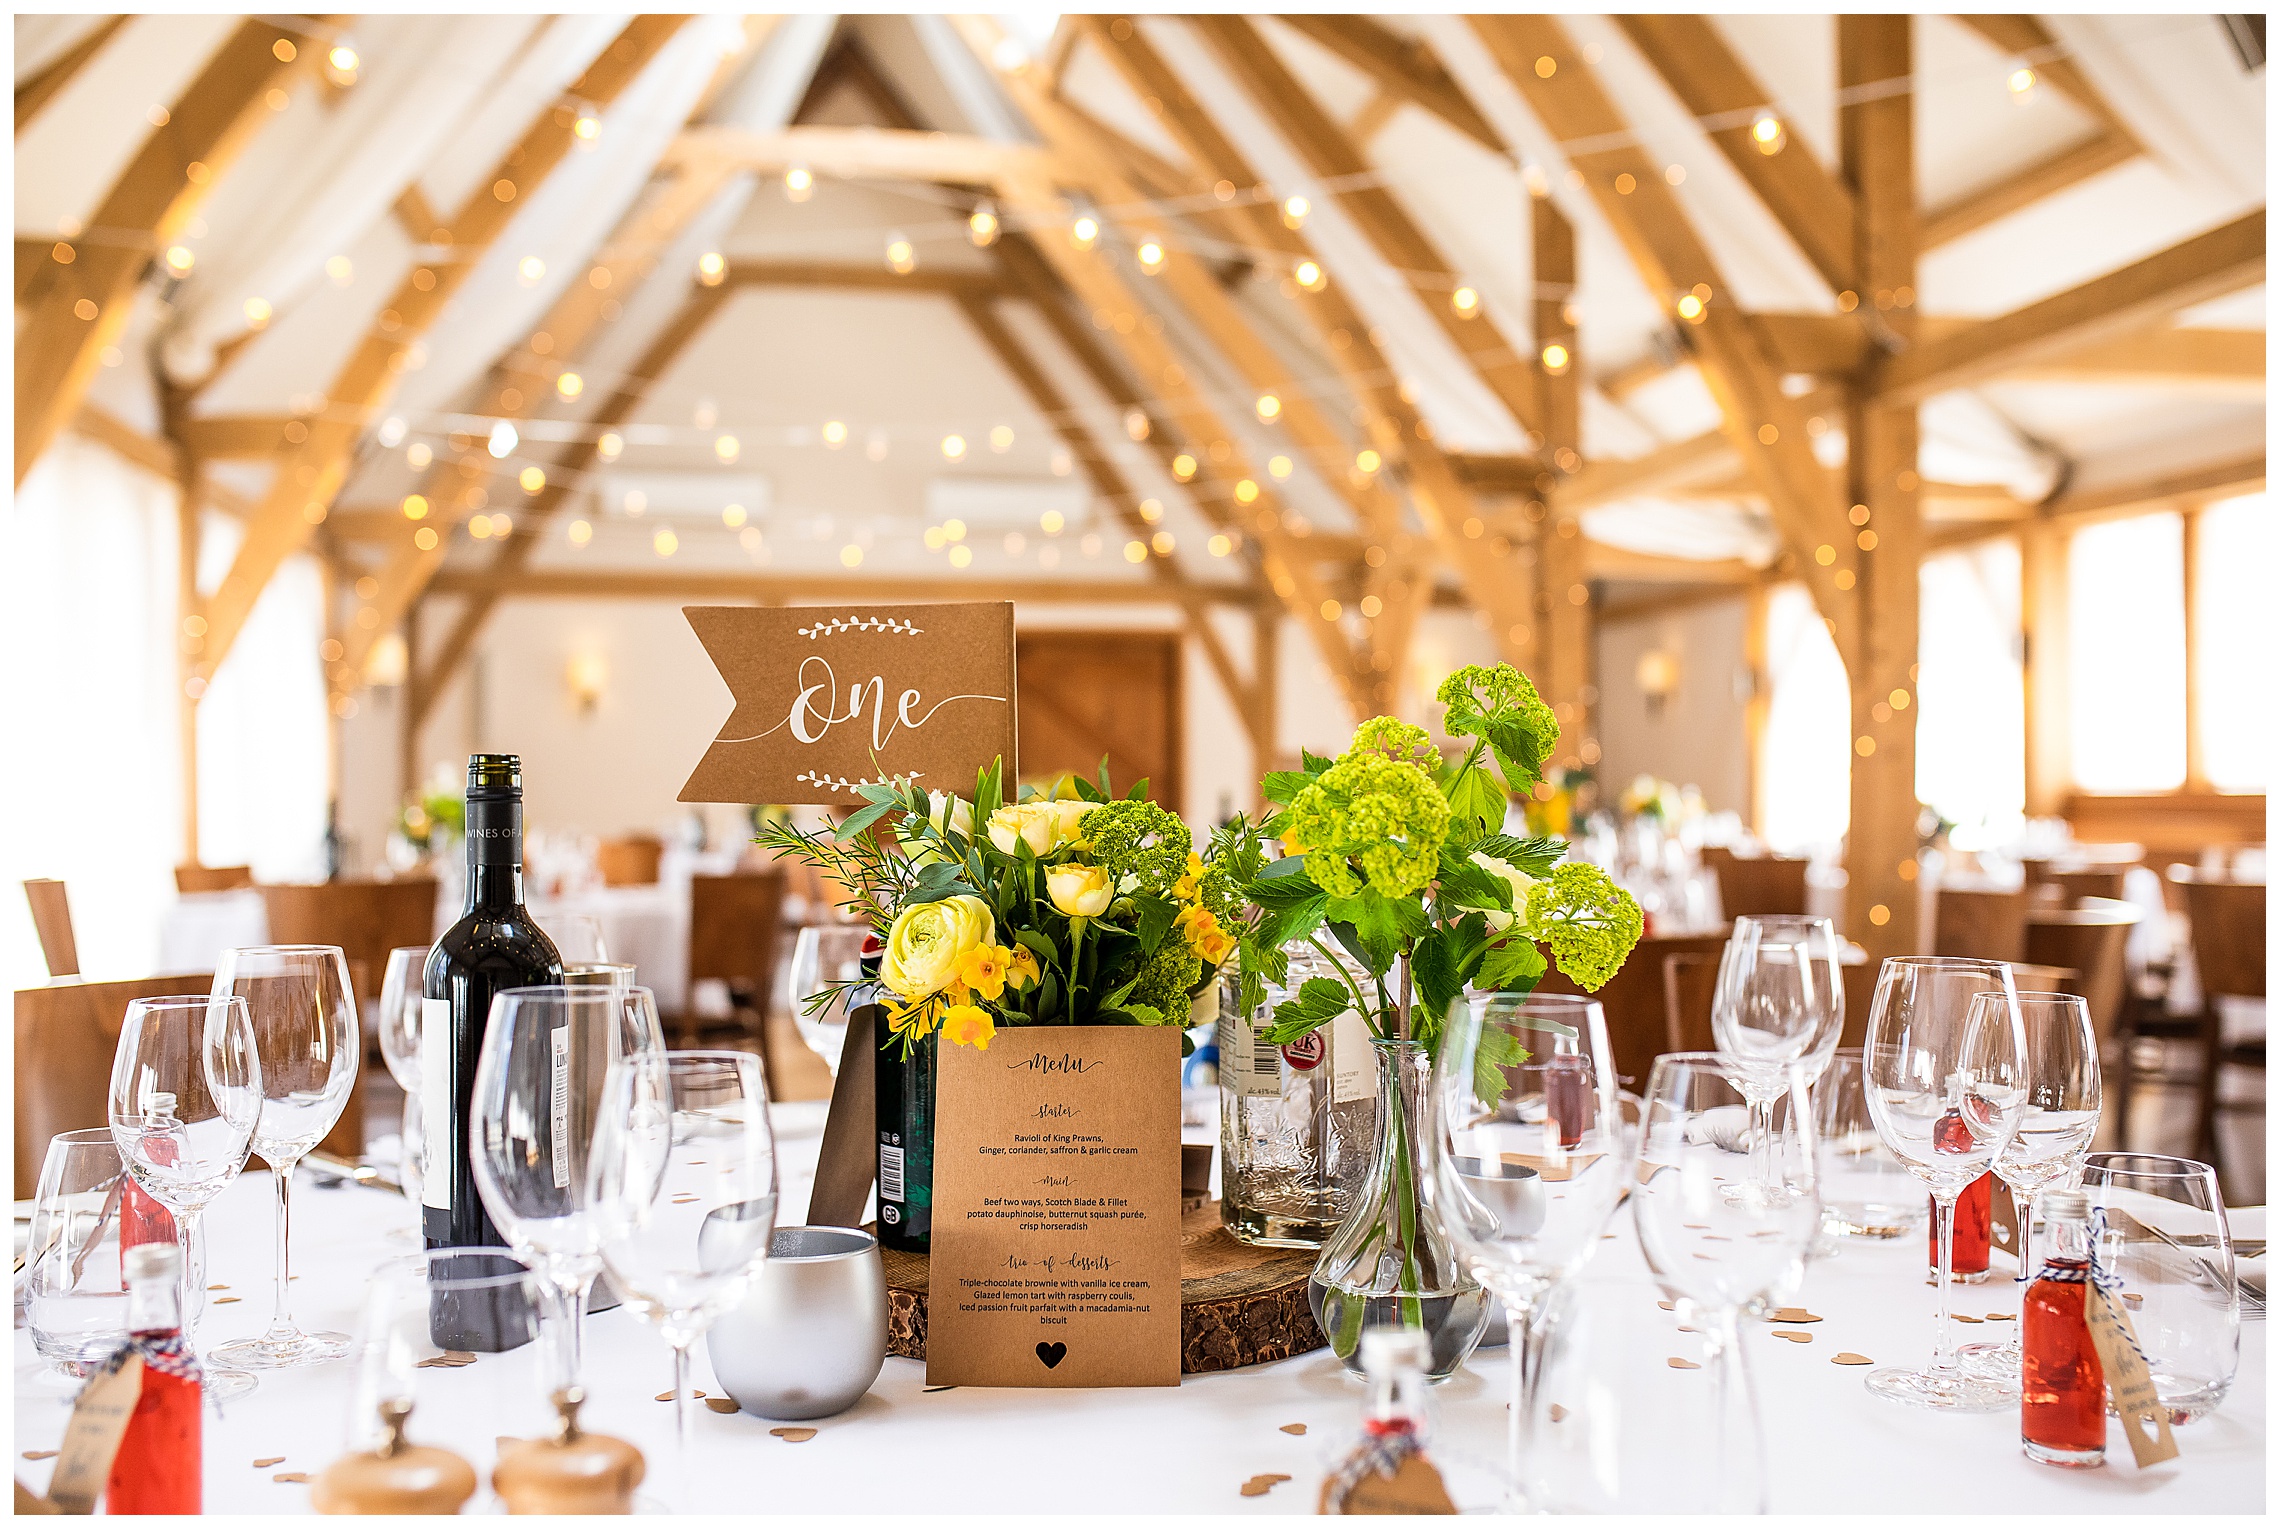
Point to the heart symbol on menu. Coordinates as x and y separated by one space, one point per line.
1052 1353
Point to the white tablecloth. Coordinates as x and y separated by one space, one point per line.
201 925
1634 1437
648 926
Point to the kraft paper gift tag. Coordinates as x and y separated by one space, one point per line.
1056 1246
830 697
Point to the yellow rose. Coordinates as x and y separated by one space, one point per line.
1080 891
927 942
1066 818
965 1025
1030 823
1021 973
983 969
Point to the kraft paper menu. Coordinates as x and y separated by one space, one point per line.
1056 1248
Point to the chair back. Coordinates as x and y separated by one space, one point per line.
1986 926
1638 1023
212 878
51 917
631 861
2074 886
1759 887
2090 941
1690 988
366 919
65 1039
2228 935
734 928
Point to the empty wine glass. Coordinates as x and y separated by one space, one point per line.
1946 1085
578 936
395 1338
185 1096
1725 1232
825 957
303 1010
538 1088
74 1294
683 1191
2054 1135
2158 1228
1525 1153
1866 1192
1780 999
402 1008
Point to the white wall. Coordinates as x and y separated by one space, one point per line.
1698 736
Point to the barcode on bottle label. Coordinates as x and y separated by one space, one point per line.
1249 1063
560 1120
435 1101
890 1172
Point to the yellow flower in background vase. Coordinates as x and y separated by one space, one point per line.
965 1025
983 969
1035 824
1022 972
1080 891
927 942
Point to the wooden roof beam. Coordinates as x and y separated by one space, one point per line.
311 474
1403 69
2026 38
2210 265
78 309
786 589
2023 188
35 93
864 153
1711 82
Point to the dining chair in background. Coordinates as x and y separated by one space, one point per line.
65 1039
51 918
631 861
1758 886
2228 951
212 878
1984 926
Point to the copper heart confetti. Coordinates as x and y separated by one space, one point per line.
227 1300
1682 1364
39 1454
449 1359
1668 1305
1974 1321
2002 1316
1793 1315
266 1461
720 1403
664 1396
290 1476
1794 1337
1294 1428
1559 1413
1260 1486
1850 1359
793 1435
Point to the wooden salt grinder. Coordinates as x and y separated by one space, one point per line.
398 1477
574 1472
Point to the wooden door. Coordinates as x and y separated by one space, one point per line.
1089 694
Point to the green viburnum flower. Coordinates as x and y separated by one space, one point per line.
1590 923
1500 704
1392 738
1139 840
1165 980
1387 813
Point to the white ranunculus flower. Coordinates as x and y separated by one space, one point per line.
1500 919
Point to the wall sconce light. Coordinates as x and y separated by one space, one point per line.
388 660
587 676
1658 678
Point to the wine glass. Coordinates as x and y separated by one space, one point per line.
1946 1085
577 936
538 1086
824 957
2158 1228
303 1010
682 1178
185 1097
403 1006
395 1336
1780 999
2055 1129
1725 1233
1524 1099
1866 1192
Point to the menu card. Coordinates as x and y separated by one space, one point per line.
1056 1243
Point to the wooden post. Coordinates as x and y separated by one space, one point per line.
1755 655
1878 158
409 707
188 624
2196 764
2043 622
1266 688
1564 618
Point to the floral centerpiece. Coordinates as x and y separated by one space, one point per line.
1396 856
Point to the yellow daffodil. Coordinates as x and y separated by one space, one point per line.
1021 973
983 969
965 1025
1080 891
1190 886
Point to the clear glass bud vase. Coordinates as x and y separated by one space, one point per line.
1390 1263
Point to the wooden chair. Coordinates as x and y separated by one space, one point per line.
2088 940
51 917
2228 948
2074 886
1638 1021
1690 989
734 937
366 919
631 861
1767 884
1987 926
212 878
65 1039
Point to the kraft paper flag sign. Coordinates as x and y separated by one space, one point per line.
1056 1246
832 697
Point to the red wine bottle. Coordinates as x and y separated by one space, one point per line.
496 945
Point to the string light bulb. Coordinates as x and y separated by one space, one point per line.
712 268
1465 302
1690 308
1151 256
1268 407
341 270
569 385
588 128
257 312
341 64
608 447
982 225
1085 233
834 433
1310 275
1001 438
1767 133
732 516
1278 467
1183 467
725 448
179 259
580 533
1555 359
799 183
1294 211
503 439
530 270
1367 461
2022 83
902 258
665 542
953 448
532 479
415 507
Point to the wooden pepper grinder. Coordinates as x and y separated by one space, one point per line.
398 1477
574 1472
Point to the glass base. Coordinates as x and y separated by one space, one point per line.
1956 1392
283 1352
225 1385
1997 1362
2076 1459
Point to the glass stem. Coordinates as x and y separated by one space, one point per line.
579 1298
188 1223
281 1319
2025 1205
684 1405
1943 1332
1523 1344
1733 1389
1761 1141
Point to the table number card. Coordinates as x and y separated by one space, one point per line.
830 697
1056 1250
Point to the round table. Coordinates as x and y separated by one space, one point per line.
1634 1436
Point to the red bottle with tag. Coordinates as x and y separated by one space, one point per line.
160 1466
2062 1382
1974 1209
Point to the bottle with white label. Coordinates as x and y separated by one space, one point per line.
1296 1122
495 945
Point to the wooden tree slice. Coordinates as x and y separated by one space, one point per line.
1239 1305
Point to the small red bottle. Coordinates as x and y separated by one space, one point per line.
1974 1209
2062 1383
141 1218
160 1466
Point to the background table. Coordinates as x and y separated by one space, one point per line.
1633 1439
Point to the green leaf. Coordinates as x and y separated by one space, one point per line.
1313 763
1512 965
1319 1001
1380 925
1499 1048
1433 970
1282 785
1530 857
854 826
1107 791
1155 917
1475 798
1139 791
1038 946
